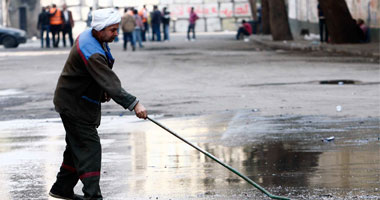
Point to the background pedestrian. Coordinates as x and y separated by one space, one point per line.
165 23
56 23
43 25
192 19
138 28
128 24
144 16
323 33
89 18
156 21
68 24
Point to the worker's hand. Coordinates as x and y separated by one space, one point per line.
106 98
140 111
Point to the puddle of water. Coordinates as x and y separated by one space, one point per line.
284 154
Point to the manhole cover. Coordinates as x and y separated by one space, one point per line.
338 82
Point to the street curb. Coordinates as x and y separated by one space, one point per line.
294 46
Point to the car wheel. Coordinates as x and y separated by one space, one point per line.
9 42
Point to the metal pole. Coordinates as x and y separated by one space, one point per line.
220 162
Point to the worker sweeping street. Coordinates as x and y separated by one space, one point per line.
86 81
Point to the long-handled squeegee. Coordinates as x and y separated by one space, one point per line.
220 162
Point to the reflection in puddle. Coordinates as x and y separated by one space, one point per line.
141 161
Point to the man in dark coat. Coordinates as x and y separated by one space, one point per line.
87 80
44 26
156 21
165 23
68 24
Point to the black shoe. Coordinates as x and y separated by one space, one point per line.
65 196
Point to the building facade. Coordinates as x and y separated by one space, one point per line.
215 15
303 14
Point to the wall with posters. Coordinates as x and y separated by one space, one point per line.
215 15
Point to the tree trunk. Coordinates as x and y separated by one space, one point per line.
341 26
265 26
279 23
252 4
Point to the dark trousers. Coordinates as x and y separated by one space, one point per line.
128 36
81 160
191 28
55 31
165 28
67 30
143 32
45 28
156 32
241 30
323 30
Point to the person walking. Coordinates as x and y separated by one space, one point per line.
68 24
165 23
44 26
192 19
156 21
56 23
87 80
144 17
138 28
128 24
323 33
89 17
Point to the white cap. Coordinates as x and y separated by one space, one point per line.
104 17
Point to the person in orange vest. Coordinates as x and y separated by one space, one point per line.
56 24
144 17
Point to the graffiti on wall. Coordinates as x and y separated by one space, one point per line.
211 10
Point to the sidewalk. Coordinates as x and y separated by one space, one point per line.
371 50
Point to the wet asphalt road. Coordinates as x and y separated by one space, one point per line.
141 161
268 125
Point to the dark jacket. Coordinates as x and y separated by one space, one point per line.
43 19
70 19
166 17
86 75
156 17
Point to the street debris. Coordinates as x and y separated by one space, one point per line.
329 139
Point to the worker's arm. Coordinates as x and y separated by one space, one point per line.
107 79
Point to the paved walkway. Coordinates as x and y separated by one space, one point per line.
371 50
